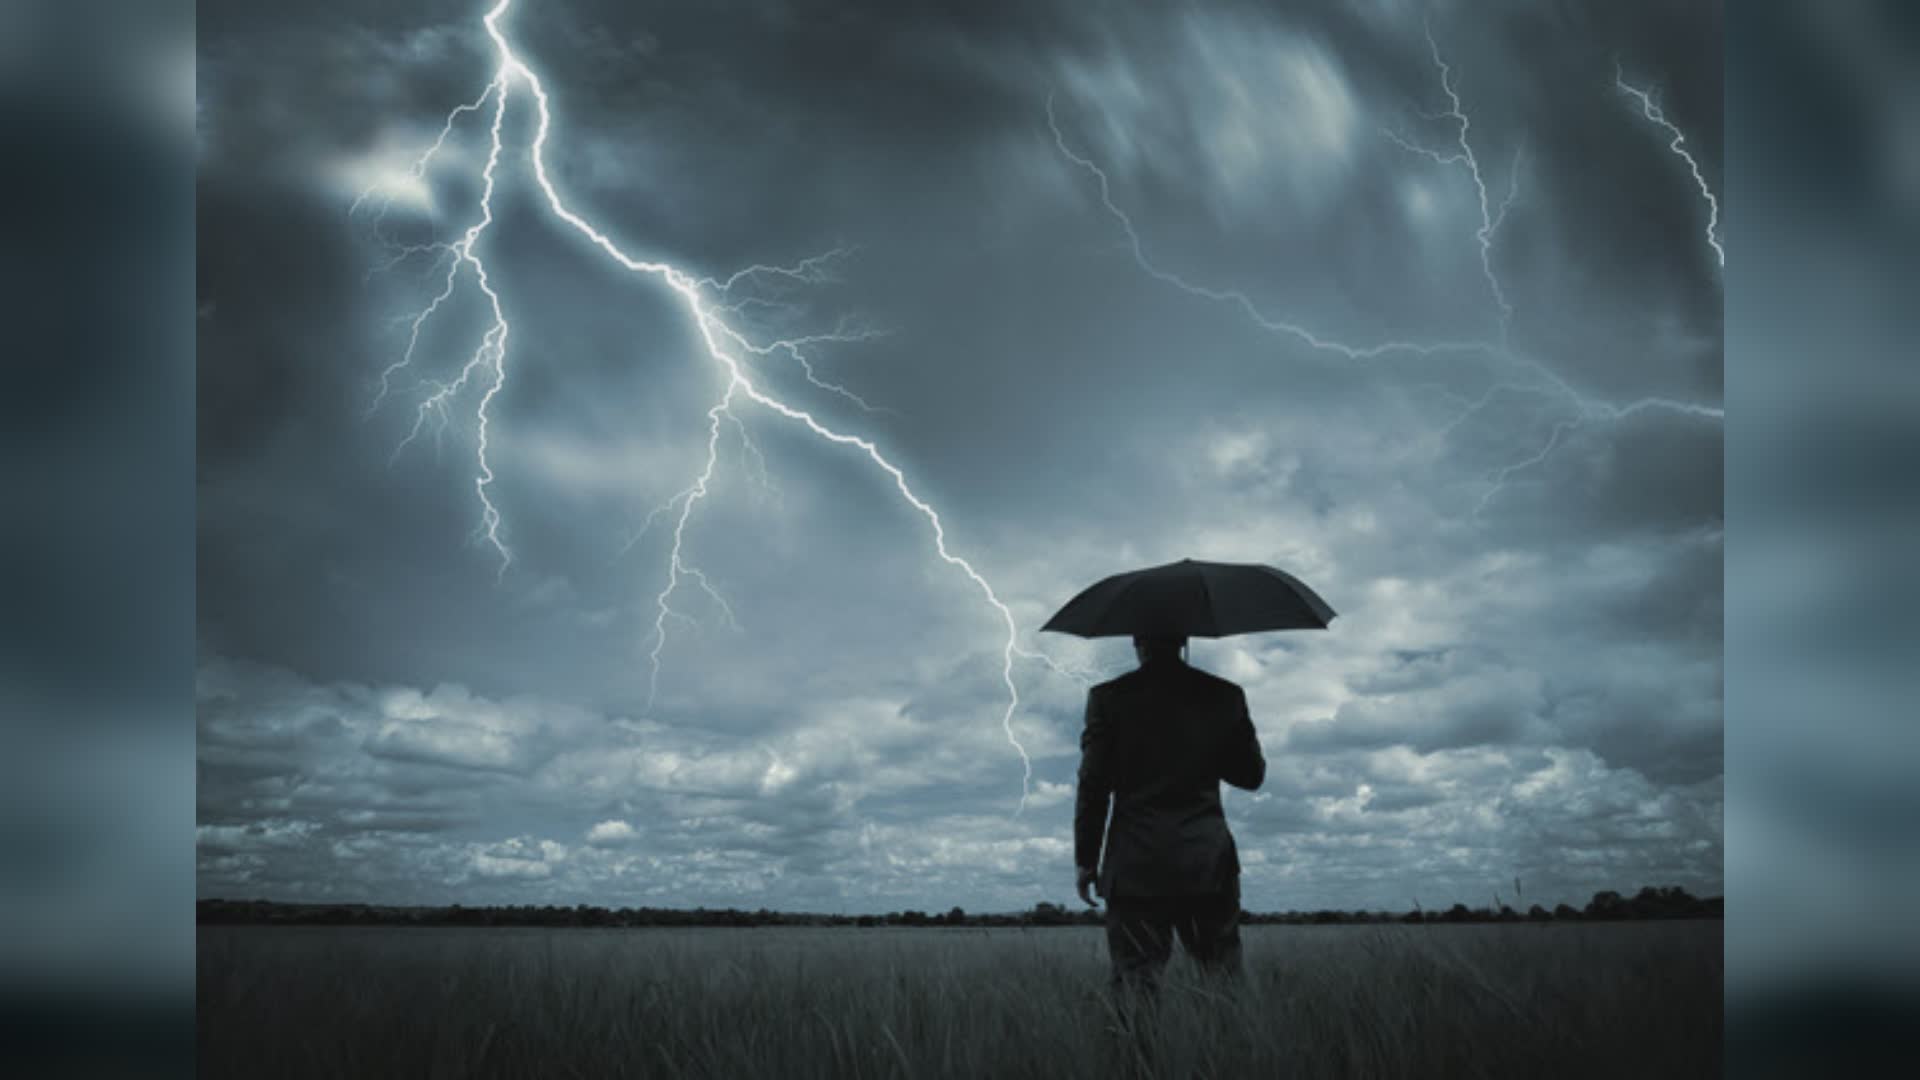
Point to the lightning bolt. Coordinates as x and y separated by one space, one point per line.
1545 382
491 353
1588 409
1650 109
1505 473
677 566
1234 297
707 305
1491 217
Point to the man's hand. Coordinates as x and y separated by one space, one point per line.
1085 876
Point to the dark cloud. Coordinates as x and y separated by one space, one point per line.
1525 674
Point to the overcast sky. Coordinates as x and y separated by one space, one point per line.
1522 532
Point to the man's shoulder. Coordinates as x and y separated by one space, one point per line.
1213 682
1124 684
1140 678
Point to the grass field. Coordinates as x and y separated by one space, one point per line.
1615 1000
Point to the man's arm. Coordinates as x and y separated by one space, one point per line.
1245 766
1094 793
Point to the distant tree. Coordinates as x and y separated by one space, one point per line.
957 917
1565 911
1669 902
1606 904
1048 914
1458 913
1536 913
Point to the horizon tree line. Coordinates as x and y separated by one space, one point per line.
1651 902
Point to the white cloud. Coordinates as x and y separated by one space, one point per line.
1047 793
520 857
254 835
385 175
611 831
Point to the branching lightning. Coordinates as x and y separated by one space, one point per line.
1650 109
1586 409
1235 297
491 353
1492 215
708 304
677 566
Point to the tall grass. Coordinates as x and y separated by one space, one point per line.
1632 1000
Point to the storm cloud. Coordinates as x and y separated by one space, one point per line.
1523 537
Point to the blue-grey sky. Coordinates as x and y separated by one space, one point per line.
1522 531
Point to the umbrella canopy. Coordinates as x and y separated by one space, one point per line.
1193 599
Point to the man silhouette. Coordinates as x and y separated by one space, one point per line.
1158 742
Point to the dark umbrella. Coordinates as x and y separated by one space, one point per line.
1193 599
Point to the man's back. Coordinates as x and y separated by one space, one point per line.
1159 740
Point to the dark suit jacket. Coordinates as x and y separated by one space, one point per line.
1158 741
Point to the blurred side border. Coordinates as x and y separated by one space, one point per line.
97 133
1822 221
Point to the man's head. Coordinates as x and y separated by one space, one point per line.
1155 648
